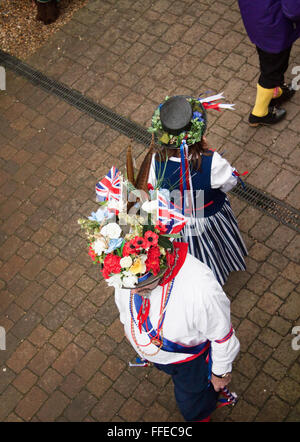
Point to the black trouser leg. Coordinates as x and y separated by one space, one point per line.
273 67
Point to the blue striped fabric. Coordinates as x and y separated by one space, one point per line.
216 241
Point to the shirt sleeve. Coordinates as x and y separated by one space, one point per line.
221 174
214 321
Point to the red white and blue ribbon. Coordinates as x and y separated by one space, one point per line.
109 188
229 398
238 175
185 179
226 338
208 102
184 167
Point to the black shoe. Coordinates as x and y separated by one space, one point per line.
287 93
275 115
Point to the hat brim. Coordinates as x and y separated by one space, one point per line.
186 125
151 279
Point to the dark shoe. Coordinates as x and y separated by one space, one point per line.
274 116
287 93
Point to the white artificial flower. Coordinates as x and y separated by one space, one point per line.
99 246
130 281
126 262
115 281
112 230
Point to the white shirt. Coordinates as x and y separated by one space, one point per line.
197 310
221 173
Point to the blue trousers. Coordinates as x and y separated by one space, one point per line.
195 395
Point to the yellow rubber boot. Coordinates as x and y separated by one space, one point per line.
263 98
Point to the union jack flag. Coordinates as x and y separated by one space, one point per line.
170 215
109 188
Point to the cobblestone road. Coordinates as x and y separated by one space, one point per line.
66 357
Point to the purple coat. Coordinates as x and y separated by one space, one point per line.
272 25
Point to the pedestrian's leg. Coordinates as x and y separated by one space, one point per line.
272 69
263 99
283 92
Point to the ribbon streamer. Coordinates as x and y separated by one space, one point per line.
238 175
219 96
230 398
143 313
218 106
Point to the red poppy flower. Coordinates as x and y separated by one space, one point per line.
129 249
150 187
140 243
151 238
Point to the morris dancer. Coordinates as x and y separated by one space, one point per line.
175 313
181 323
184 163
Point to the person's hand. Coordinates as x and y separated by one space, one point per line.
219 383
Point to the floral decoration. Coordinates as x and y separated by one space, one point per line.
127 247
192 136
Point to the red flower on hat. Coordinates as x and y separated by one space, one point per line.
153 252
151 238
152 264
152 261
111 264
139 242
129 249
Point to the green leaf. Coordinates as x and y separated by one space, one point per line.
165 138
172 235
122 246
165 243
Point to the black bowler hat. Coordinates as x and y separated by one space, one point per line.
176 115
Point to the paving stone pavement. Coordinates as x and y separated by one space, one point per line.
66 357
